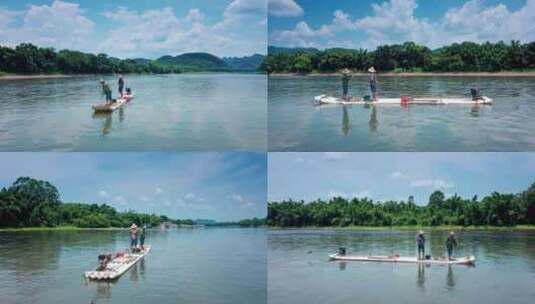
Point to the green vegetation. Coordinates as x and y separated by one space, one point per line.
194 62
35 203
407 57
247 63
30 59
501 210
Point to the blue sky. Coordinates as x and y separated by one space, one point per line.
220 186
131 29
369 23
395 176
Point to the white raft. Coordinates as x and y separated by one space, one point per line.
118 266
469 260
325 99
110 107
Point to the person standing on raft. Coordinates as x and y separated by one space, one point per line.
451 243
106 91
142 237
133 236
372 77
121 85
346 75
420 240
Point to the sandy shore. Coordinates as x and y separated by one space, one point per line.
392 74
40 76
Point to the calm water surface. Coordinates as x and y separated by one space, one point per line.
215 112
296 125
184 266
300 272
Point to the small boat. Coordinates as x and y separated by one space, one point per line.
325 99
117 266
110 107
468 260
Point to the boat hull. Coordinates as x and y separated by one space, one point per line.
469 260
325 99
110 107
118 266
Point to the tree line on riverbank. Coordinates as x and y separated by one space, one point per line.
27 58
494 210
406 57
35 203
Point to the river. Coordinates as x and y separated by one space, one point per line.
300 272
295 124
184 112
212 265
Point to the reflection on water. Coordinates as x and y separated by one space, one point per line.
504 126
184 266
505 265
201 111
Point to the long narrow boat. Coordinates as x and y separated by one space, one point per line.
110 107
118 266
468 260
325 99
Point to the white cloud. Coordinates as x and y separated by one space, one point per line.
120 200
299 159
190 196
395 21
144 198
246 7
237 197
149 34
61 24
158 190
396 175
431 183
284 8
103 194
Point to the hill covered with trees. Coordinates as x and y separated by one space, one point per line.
494 210
406 57
35 203
27 58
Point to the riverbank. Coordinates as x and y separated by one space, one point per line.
414 74
434 228
59 228
38 76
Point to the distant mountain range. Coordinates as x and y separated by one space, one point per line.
189 62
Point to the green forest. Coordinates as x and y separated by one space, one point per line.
406 57
35 203
494 210
27 58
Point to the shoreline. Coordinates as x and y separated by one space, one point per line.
404 228
37 76
410 74
56 76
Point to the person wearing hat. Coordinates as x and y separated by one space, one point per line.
121 85
420 240
372 77
451 243
133 236
346 75
106 90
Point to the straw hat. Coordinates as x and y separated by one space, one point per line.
371 70
452 233
345 71
134 226
421 232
